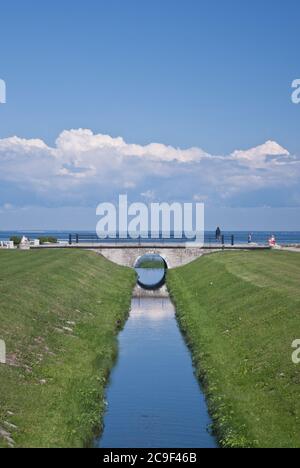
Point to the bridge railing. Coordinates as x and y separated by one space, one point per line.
210 239
228 239
223 239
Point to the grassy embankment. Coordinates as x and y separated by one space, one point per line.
152 264
241 312
60 312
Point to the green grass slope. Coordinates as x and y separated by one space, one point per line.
240 312
60 312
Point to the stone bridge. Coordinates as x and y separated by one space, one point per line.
174 256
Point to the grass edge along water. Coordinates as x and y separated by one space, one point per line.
240 314
60 313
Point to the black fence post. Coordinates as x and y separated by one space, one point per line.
70 239
223 239
77 239
232 240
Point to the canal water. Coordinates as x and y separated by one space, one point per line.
154 399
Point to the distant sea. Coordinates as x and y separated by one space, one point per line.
240 237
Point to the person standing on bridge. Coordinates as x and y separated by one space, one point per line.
218 233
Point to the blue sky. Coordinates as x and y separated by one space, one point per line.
210 75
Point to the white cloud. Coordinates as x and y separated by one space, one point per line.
82 142
149 194
82 167
16 144
200 198
257 157
6 207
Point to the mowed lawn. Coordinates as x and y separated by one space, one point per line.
60 312
241 312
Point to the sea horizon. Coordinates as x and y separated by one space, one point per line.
90 236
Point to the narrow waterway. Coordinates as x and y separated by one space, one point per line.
154 399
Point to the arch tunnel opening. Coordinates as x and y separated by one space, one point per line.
151 271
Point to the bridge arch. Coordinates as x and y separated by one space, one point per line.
152 253
127 255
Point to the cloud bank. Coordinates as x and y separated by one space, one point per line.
84 168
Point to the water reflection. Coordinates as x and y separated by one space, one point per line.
151 270
150 310
153 398
150 278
